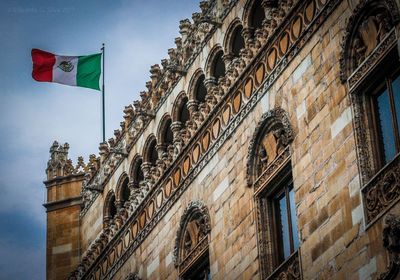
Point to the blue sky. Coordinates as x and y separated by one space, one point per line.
137 34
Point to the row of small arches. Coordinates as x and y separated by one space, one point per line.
216 68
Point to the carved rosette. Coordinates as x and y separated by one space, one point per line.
192 236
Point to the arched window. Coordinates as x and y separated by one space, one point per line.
165 134
257 15
237 42
218 66
200 90
110 209
277 220
123 191
136 172
150 154
370 68
191 252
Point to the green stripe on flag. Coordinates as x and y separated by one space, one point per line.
89 70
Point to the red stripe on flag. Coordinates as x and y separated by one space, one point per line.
43 63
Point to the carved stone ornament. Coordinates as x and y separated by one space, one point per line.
368 26
272 135
290 269
382 191
192 235
368 39
391 241
132 276
59 165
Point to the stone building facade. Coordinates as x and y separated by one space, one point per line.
265 147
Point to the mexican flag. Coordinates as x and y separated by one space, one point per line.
81 71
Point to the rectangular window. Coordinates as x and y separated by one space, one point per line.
284 215
386 117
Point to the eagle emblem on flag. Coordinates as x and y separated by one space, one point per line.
66 66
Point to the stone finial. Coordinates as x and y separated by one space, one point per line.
204 6
178 43
155 72
164 63
196 18
59 165
129 113
103 150
184 27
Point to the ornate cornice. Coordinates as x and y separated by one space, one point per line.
137 121
245 93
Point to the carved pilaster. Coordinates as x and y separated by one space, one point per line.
146 167
195 115
176 128
210 83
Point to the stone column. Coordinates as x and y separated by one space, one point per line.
176 128
195 115
210 83
146 167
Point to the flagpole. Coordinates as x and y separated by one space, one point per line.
103 98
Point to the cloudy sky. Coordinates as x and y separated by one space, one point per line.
137 34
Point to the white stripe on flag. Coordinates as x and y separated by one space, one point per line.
65 69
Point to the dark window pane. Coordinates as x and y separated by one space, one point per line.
113 208
138 173
184 114
201 90
125 190
257 15
168 135
153 155
238 42
396 95
284 226
293 217
219 66
385 121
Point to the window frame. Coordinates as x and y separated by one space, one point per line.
382 84
280 183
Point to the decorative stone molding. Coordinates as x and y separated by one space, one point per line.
273 132
367 27
59 165
391 241
192 236
382 191
290 269
132 276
